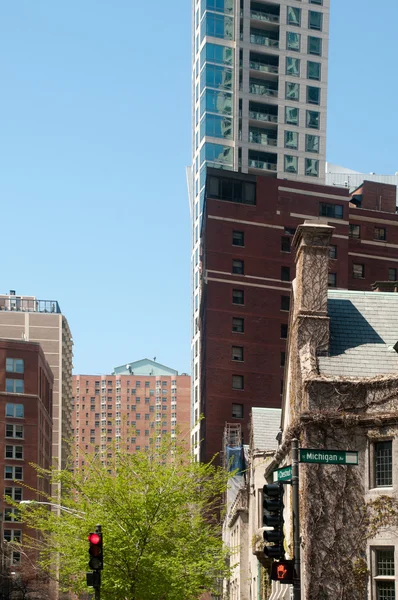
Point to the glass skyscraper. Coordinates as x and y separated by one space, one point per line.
259 86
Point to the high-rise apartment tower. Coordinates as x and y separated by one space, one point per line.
259 90
27 318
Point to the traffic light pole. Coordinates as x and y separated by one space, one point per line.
296 519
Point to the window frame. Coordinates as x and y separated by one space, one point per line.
237 353
242 412
15 362
238 266
356 272
378 236
237 237
242 322
238 378
235 297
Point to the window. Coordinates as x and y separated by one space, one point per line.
285 273
13 472
237 353
290 230
292 91
238 238
384 571
15 410
320 2
11 514
237 411
238 267
380 233
313 95
291 115
333 211
285 244
217 26
332 279
291 164
392 274
14 365
315 20
238 325
284 329
293 41
237 382
314 45
13 492
12 535
313 70
231 190
312 119
312 167
355 232
292 66
332 252
285 302
238 297
358 271
293 16
312 143
14 431
383 463
283 359
291 140
15 386
15 452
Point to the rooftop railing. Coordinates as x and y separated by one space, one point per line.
17 304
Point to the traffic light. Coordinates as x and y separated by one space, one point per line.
273 517
96 562
283 571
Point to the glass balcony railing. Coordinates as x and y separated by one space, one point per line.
256 66
260 116
255 137
260 164
262 40
262 90
263 16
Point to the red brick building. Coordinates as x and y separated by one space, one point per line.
111 407
247 269
26 387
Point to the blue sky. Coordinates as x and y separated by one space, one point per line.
94 140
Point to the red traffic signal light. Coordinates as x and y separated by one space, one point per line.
95 551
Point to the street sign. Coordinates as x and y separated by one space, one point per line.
284 474
328 457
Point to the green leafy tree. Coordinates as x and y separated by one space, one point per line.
159 516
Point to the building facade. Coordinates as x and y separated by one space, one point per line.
259 99
342 394
139 399
26 318
26 392
247 269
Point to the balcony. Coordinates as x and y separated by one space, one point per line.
262 137
260 15
262 89
256 115
262 165
263 40
263 67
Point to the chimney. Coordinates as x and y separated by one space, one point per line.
312 241
385 286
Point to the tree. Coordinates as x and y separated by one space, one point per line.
159 516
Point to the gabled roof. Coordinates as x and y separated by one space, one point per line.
265 424
145 366
363 332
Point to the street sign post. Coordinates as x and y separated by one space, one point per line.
328 457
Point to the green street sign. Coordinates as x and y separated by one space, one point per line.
328 457
284 474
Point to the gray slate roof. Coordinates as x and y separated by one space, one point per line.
265 426
363 330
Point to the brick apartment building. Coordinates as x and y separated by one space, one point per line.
143 395
247 268
26 389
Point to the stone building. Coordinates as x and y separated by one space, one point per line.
341 393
